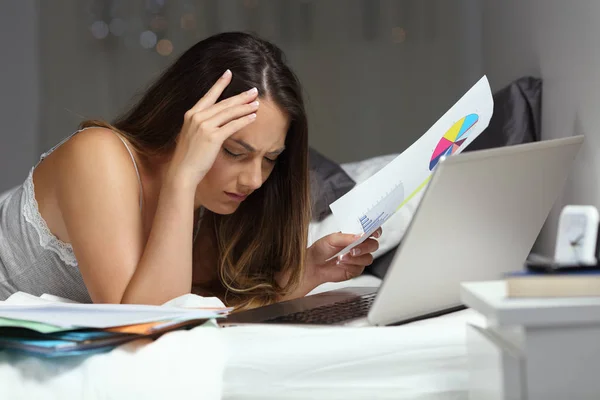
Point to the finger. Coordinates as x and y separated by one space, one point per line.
358 261
368 246
234 126
213 93
377 233
231 113
341 239
239 99
352 271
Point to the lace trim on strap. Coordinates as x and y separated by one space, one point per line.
47 239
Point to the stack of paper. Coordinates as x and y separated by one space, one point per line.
54 329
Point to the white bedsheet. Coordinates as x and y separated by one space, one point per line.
421 360
176 366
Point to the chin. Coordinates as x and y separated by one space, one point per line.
222 208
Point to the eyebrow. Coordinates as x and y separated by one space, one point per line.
252 149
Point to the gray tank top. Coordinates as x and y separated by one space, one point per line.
32 259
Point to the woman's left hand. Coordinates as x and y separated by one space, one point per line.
350 265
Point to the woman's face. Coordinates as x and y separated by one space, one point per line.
245 161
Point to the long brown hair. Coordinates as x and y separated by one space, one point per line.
268 233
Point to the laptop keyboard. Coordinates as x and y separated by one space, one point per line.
331 313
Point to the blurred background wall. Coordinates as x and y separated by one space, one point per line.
376 73
557 41
20 97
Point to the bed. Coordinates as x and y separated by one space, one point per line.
420 360
423 360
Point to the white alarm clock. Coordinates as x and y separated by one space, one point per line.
577 235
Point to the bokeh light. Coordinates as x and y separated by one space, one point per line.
164 47
158 23
188 22
148 39
99 29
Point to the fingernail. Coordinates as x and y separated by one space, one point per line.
227 73
252 91
356 252
254 103
358 236
252 116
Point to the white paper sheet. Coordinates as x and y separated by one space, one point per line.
69 315
368 205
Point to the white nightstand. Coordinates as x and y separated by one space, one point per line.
532 348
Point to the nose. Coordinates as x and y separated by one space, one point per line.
251 176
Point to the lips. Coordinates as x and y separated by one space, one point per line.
237 196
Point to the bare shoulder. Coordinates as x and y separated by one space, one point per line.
93 146
91 169
95 156
97 193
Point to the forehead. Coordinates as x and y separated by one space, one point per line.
269 129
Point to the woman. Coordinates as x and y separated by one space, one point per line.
203 184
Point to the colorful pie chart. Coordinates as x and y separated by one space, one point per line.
453 139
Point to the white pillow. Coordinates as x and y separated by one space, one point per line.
393 229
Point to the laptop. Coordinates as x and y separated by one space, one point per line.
477 219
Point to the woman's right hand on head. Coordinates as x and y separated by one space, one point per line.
206 126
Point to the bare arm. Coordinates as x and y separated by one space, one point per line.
98 196
98 199
165 268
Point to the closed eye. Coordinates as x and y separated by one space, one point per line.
230 153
